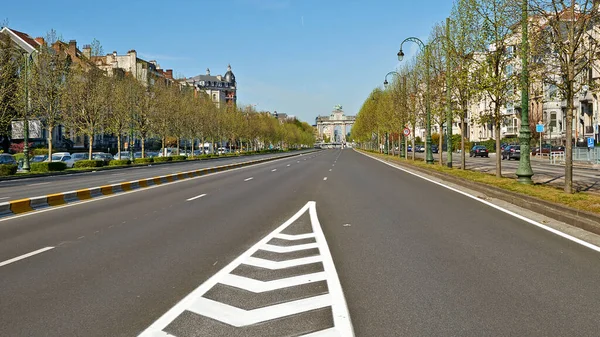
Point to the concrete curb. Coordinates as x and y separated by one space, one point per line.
26 205
578 218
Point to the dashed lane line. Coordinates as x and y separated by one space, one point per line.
196 197
248 179
273 170
24 256
325 178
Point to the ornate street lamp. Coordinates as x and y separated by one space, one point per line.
425 48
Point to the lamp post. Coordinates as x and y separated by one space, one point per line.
25 117
426 48
400 135
524 172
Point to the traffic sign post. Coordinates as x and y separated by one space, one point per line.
406 133
590 142
539 128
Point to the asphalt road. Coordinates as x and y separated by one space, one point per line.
584 179
37 186
412 258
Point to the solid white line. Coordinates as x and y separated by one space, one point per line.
248 179
331 332
339 307
257 286
24 256
239 317
273 170
196 197
276 265
325 178
288 249
518 216
39 184
295 237
4 198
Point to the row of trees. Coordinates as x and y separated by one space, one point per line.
77 95
484 51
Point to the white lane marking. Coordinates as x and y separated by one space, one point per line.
24 256
240 317
332 164
332 332
275 265
511 213
294 237
117 174
288 165
115 181
288 249
39 184
4 198
71 204
196 197
257 286
325 178
273 170
330 170
248 179
195 299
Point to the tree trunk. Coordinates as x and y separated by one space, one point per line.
119 146
441 146
463 155
192 148
413 141
569 145
90 145
498 156
164 150
50 129
177 139
143 139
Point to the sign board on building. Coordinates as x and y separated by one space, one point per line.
539 128
35 129
590 142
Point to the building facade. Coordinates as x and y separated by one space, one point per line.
221 89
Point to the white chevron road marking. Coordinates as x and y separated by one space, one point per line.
240 317
275 265
257 286
196 302
295 237
288 249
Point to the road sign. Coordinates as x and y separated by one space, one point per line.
539 128
590 142
406 132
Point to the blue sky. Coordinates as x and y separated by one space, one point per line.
299 57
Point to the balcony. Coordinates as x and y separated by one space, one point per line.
510 130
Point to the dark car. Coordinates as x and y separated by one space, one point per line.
546 149
479 151
434 149
6 158
511 152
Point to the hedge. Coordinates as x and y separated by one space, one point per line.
41 152
178 158
143 160
162 159
8 169
48 166
117 162
89 163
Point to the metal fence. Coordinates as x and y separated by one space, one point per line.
579 154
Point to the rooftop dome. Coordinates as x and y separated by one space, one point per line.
229 76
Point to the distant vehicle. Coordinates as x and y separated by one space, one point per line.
80 156
511 152
546 148
64 157
435 149
38 159
106 157
479 151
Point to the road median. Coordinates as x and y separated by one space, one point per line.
26 205
581 209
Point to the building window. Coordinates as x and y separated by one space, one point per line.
214 97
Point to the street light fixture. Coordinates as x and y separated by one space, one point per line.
425 48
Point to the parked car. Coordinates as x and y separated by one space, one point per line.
479 151
124 156
106 157
6 158
409 148
511 152
38 159
64 157
546 149
434 149
80 156
558 148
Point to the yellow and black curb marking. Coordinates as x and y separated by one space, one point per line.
20 206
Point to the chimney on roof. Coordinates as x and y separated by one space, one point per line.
207 71
87 51
73 47
169 73
40 40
